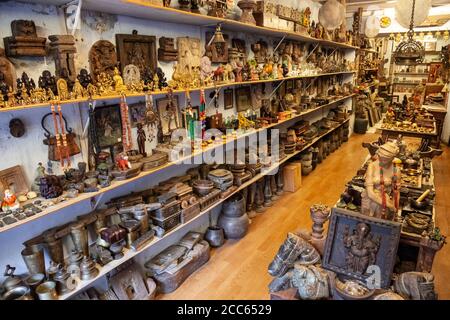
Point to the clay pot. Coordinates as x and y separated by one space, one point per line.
234 227
215 236
234 207
306 170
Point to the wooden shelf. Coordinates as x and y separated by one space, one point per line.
117 184
129 254
367 50
222 85
406 83
412 73
144 10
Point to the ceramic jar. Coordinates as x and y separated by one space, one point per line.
234 227
233 219
234 207
215 236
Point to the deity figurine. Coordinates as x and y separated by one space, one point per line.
362 248
27 82
119 86
85 78
64 74
122 162
141 137
40 173
63 90
10 201
162 81
77 91
147 77
3 86
381 194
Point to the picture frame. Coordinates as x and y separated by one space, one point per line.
434 71
228 99
429 45
108 125
137 113
380 241
243 98
170 119
136 49
195 111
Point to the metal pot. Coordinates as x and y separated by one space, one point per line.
234 207
47 291
79 235
234 227
18 293
215 236
34 260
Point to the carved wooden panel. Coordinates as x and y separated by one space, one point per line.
357 243
13 179
189 53
216 54
8 70
24 40
138 50
102 58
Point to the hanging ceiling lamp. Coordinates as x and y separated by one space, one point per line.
409 52
331 14
403 10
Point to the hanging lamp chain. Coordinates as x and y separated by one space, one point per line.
411 24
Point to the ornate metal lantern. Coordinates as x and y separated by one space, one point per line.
409 52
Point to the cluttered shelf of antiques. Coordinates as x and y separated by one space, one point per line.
264 19
64 201
5 107
175 203
392 228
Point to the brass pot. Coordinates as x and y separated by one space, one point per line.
47 291
18 293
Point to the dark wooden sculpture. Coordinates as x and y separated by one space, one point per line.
218 54
63 50
24 40
102 58
7 70
136 49
166 50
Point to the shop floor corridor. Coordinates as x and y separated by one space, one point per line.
238 270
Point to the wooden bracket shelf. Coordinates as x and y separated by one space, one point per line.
129 254
117 184
144 10
222 85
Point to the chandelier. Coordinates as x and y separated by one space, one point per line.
409 52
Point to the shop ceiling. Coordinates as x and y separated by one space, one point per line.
372 5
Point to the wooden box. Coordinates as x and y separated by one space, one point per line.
171 279
292 175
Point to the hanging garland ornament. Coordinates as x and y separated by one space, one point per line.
126 127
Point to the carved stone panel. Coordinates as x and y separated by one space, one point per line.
189 54
102 58
357 245
138 50
63 49
24 40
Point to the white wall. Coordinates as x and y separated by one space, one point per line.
29 150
